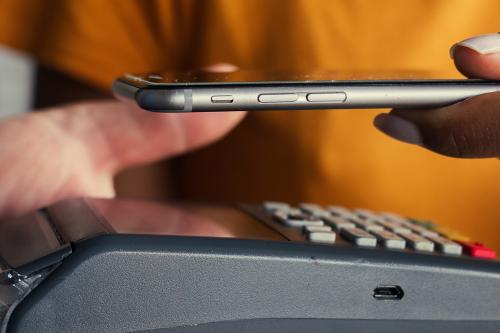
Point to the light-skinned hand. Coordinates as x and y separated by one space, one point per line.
75 150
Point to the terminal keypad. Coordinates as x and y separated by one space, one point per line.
337 225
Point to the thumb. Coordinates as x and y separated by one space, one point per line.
470 128
478 57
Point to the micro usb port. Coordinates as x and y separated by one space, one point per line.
388 292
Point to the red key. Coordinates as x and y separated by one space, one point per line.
477 250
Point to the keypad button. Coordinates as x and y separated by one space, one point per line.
295 211
418 243
359 237
367 224
389 239
297 220
338 223
339 211
477 250
394 226
415 227
272 206
310 228
426 224
321 237
452 234
365 214
446 246
310 206
313 209
421 230
392 217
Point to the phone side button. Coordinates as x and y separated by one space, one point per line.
222 99
338 97
278 98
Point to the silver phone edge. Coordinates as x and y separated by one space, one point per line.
361 96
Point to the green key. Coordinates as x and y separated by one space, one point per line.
424 223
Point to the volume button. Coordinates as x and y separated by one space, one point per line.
338 97
278 98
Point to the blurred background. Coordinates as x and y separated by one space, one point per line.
72 50
16 82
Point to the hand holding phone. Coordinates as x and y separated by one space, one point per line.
466 129
459 118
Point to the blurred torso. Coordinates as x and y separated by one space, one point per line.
320 156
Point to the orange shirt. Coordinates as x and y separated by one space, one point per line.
321 156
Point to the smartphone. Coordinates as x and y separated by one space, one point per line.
286 90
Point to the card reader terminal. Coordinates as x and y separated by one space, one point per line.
96 265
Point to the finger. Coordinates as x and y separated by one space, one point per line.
478 57
118 135
187 131
467 129
74 150
221 67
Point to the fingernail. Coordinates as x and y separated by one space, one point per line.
398 128
484 44
221 67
